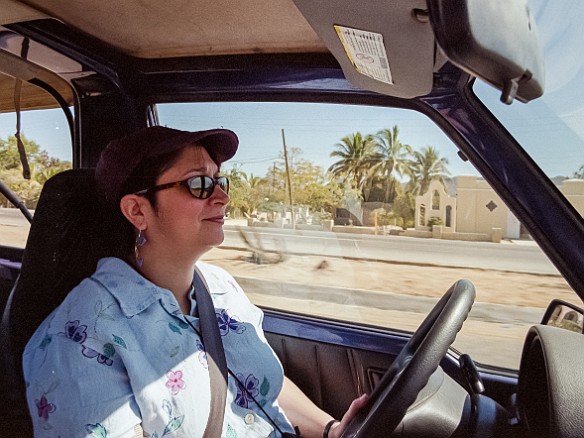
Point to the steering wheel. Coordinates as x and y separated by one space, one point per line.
412 368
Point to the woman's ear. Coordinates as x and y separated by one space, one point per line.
135 209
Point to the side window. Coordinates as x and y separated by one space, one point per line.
46 138
334 213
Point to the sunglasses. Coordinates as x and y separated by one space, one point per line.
201 187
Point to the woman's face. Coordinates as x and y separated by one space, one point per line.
181 225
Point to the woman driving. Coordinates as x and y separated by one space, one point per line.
124 355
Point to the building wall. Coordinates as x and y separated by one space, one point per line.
478 209
573 190
436 202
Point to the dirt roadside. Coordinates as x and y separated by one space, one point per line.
497 287
509 302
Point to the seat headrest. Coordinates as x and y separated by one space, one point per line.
68 235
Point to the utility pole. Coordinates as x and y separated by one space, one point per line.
288 178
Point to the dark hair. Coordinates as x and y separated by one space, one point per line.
144 176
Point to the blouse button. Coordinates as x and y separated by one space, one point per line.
249 419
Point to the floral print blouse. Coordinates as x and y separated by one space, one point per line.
119 352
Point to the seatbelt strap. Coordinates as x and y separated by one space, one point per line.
138 431
217 364
17 98
215 356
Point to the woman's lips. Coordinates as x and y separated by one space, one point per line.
217 219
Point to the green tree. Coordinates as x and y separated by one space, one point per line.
404 207
392 162
357 154
311 185
246 193
236 190
9 156
276 182
43 167
426 166
28 190
41 164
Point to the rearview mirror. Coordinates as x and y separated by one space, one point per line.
564 315
495 40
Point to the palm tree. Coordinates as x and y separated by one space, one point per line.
579 174
392 156
427 166
357 154
254 182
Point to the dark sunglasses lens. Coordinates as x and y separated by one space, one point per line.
202 186
198 186
223 183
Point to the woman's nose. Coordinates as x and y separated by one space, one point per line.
219 195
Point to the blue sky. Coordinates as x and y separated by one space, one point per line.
314 128
550 128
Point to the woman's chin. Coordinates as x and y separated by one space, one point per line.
215 239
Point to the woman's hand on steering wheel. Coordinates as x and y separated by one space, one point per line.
356 405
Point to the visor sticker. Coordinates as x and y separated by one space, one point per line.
366 52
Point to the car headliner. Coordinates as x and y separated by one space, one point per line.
196 28
188 28
184 27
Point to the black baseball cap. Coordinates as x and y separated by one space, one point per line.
122 156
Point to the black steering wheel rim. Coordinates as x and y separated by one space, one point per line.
412 368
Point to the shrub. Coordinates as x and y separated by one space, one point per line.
434 220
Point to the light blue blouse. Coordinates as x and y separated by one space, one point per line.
119 352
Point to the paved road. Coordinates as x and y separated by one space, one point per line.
517 257
12 216
363 298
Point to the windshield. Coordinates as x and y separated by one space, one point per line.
551 128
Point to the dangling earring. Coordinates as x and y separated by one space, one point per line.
140 241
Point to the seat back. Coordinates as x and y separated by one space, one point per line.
68 235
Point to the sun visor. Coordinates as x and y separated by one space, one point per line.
384 48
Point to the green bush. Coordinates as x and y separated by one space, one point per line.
434 221
384 217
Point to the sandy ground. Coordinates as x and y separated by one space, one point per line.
516 300
13 235
518 289
491 341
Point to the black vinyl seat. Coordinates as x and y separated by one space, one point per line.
68 235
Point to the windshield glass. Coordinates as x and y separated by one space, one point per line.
551 128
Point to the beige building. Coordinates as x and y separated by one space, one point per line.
436 203
476 212
573 190
480 209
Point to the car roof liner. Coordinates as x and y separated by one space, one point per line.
189 28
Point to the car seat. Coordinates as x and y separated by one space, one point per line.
68 235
